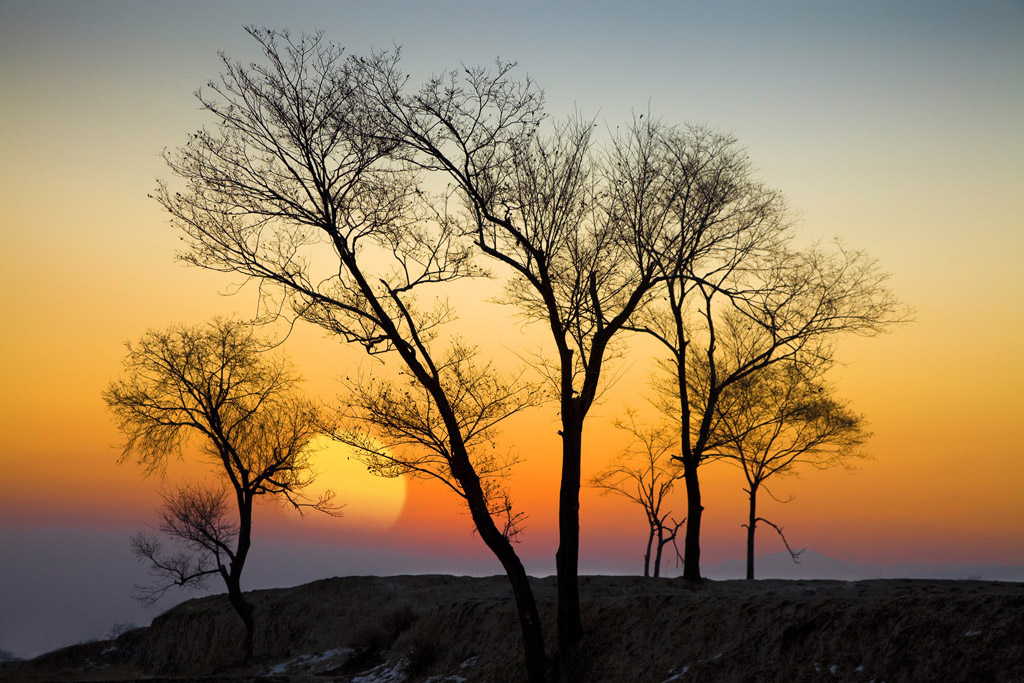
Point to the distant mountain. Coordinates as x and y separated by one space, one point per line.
817 566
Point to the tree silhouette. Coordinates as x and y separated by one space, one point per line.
211 387
577 228
300 188
773 420
310 184
731 262
646 473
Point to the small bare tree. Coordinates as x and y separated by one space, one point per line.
778 418
646 474
211 387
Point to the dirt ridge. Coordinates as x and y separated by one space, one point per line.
445 628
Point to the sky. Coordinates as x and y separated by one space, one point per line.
894 126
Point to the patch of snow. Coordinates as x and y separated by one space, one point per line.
307 661
676 676
383 674
859 668
469 662
110 650
329 654
833 669
971 634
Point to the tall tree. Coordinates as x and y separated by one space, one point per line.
646 473
211 386
731 263
574 226
726 220
297 188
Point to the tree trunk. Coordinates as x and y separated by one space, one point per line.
657 555
529 623
526 605
647 554
245 612
234 577
498 543
694 509
751 528
570 626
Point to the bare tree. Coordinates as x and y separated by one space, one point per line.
575 226
773 420
212 388
730 264
725 221
299 188
646 473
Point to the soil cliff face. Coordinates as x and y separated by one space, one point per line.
444 628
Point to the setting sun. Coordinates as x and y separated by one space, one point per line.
370 501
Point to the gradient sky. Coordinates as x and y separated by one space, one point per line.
893 125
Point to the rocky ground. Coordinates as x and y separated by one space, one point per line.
450 629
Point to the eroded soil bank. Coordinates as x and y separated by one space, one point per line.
445 628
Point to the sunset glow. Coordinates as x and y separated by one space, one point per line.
893 127
370 502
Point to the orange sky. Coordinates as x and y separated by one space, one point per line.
895 128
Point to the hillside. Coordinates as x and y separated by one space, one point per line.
445 628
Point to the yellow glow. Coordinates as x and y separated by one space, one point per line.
370 501
87 262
